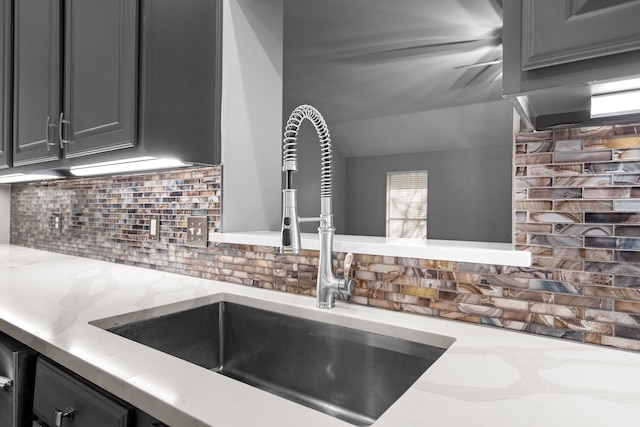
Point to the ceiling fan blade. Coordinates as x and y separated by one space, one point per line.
479 64
489 41
480 78
441 48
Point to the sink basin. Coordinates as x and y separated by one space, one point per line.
350 374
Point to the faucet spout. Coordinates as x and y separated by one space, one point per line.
329 286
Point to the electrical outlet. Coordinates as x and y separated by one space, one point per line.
56 222
154 227
197 234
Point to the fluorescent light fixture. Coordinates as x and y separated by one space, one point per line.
615 104
25 177
136 164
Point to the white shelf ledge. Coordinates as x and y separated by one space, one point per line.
444 250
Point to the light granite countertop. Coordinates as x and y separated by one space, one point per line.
487 377
444 250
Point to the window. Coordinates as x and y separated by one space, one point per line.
407 204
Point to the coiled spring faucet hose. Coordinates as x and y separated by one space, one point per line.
289 149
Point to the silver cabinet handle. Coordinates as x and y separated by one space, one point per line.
46 133
6 383
60 130
58 415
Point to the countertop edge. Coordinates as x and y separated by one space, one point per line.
443 250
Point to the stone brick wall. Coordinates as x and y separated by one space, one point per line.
576 208
107 218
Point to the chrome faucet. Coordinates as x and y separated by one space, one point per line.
329 286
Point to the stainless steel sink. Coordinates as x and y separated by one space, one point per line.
347 373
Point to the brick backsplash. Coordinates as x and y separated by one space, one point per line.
108 218
576 209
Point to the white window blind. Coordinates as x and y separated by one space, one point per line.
407 204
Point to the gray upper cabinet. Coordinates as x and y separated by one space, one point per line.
36 93
555 51
99 76
557 32
5 82
180 79
98 80
82 103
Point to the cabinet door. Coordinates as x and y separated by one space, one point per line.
557 32
143 419
17 363
5 82
100 76
180 65
61 396
36 81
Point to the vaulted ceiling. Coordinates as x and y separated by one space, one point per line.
398 75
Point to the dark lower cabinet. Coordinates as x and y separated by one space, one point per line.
63 399
37 391
17 373
145 420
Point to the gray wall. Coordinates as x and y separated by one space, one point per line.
469 193
5 209
251 114
253 123
307 179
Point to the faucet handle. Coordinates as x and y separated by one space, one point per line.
346 285
348 260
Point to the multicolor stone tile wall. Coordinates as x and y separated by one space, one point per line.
576 208
108 218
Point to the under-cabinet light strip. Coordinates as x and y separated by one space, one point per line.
130 165
614 104
25 177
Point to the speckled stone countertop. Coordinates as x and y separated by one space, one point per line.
487 377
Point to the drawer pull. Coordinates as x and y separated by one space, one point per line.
6 383
58 415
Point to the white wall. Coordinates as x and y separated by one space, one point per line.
5 205
252 114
